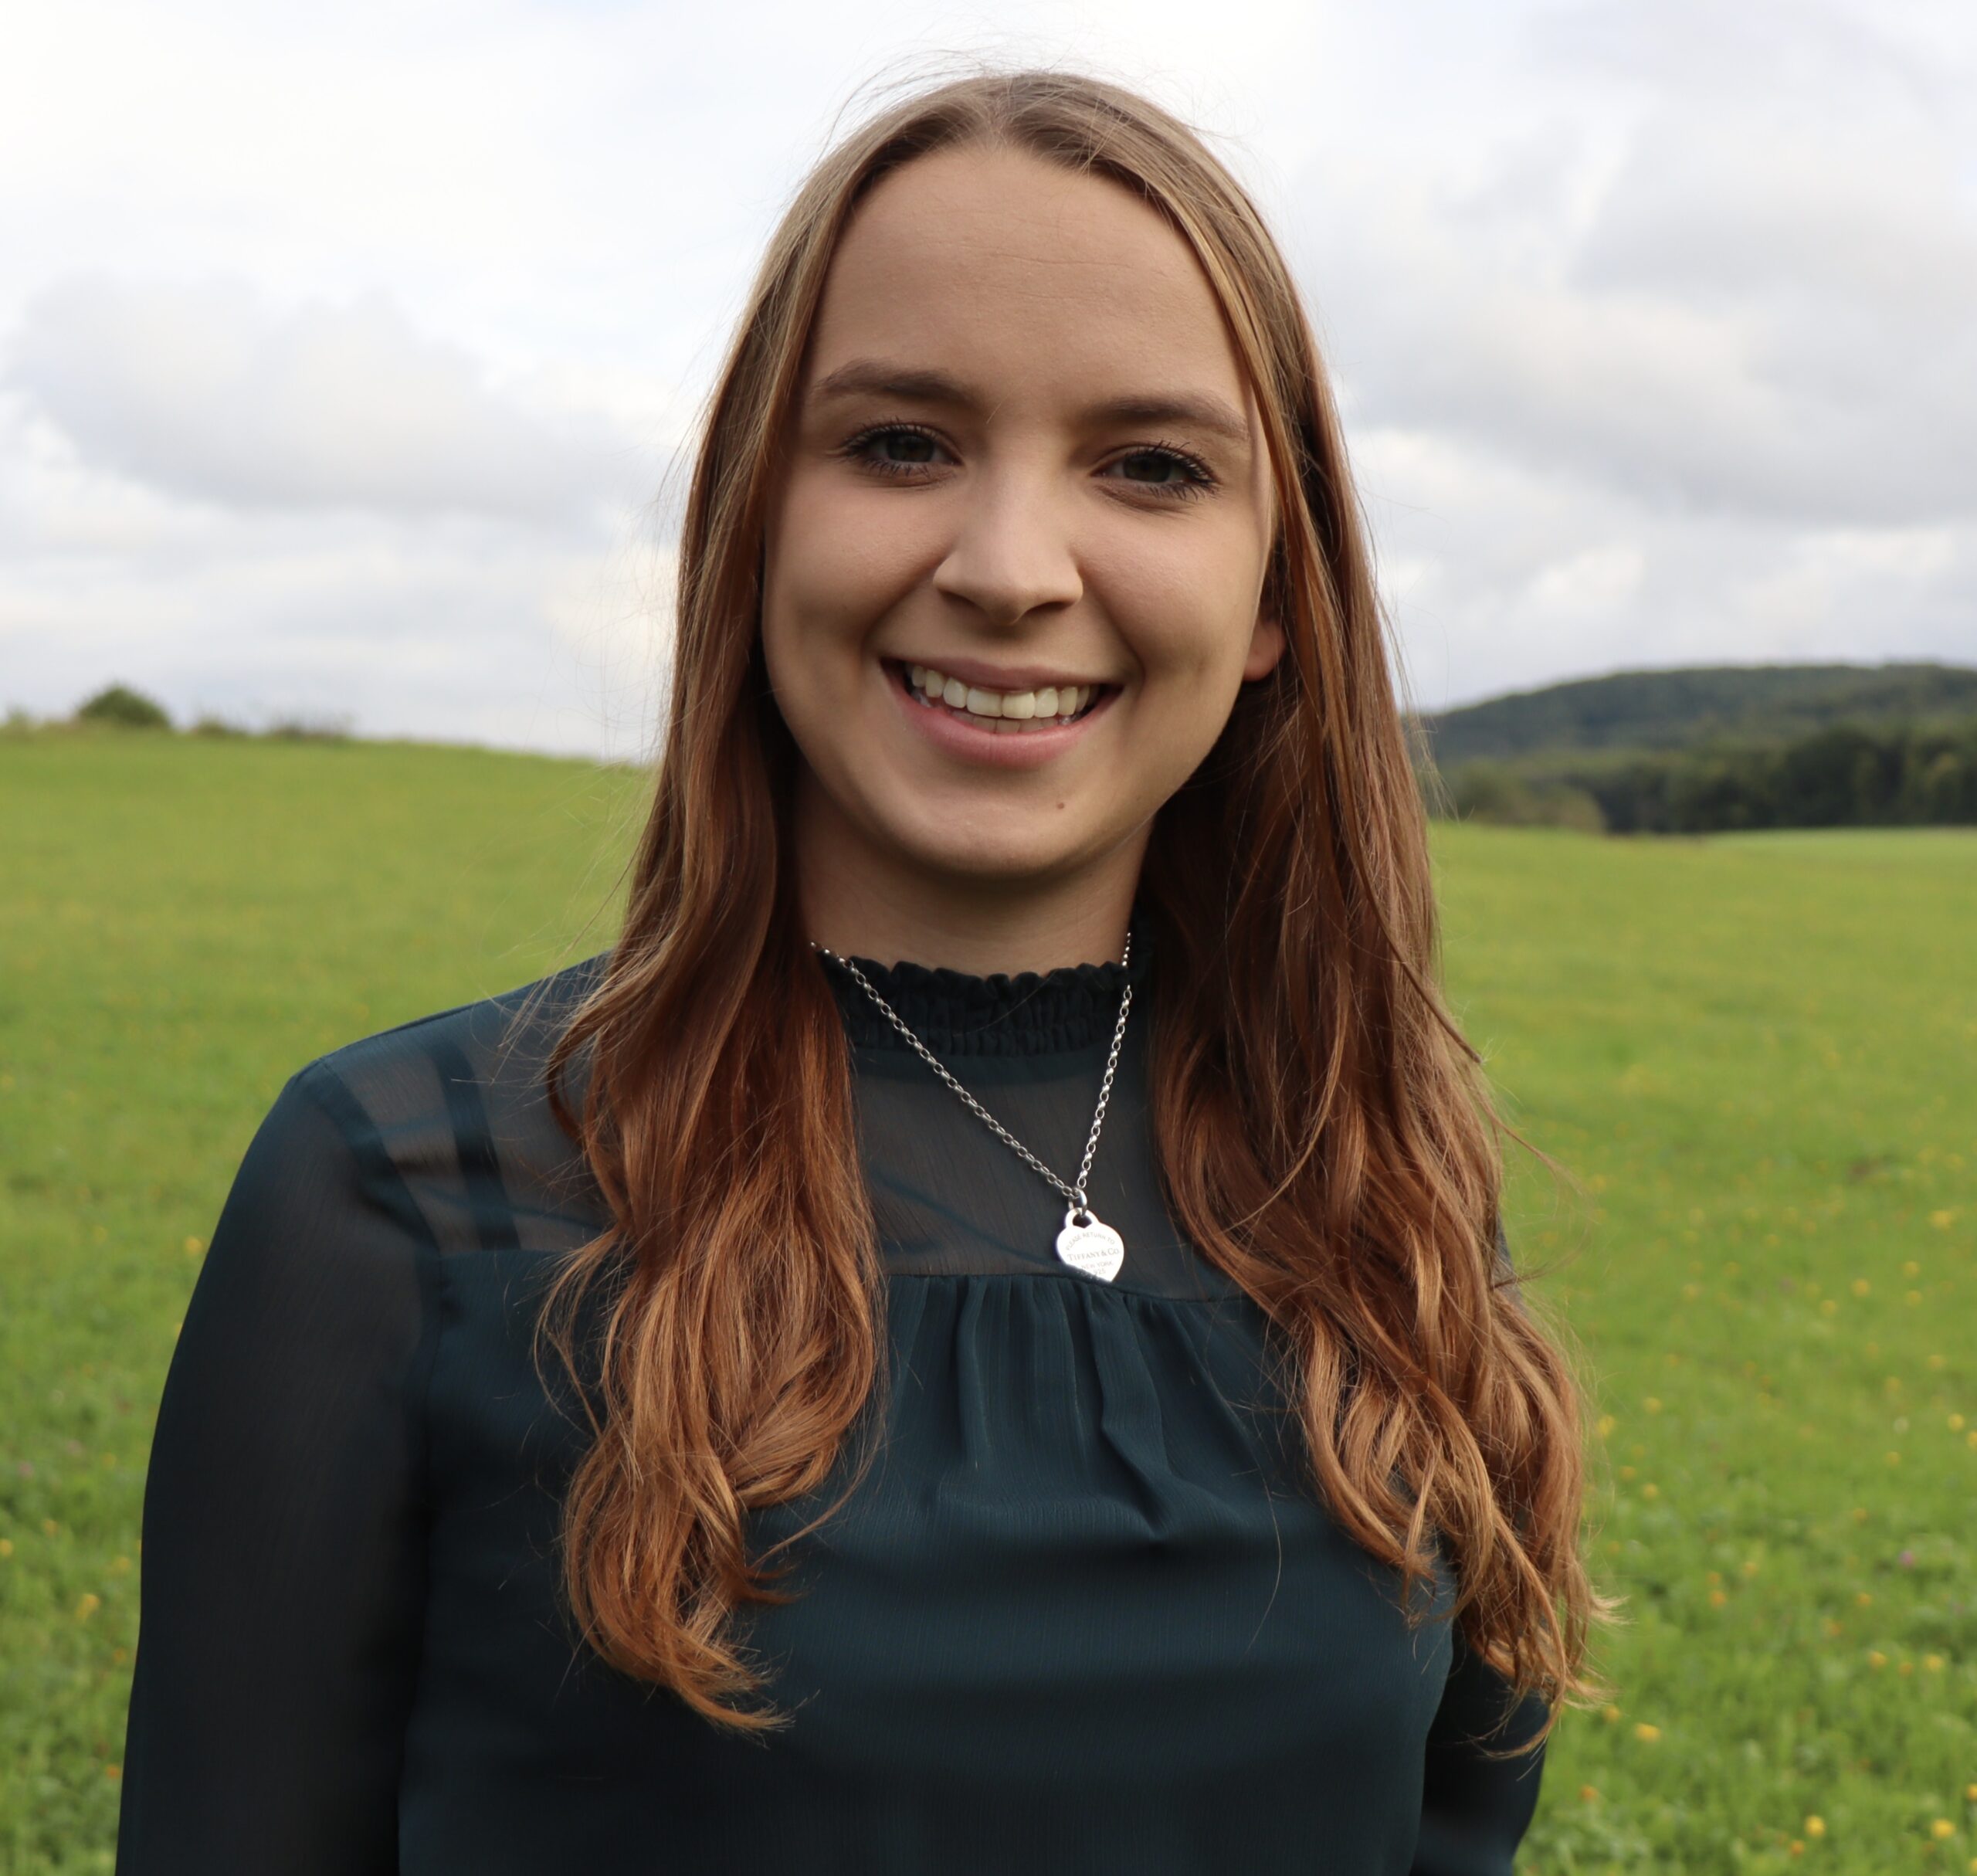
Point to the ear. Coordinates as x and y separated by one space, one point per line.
1266 644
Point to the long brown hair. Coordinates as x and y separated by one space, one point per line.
1324 1132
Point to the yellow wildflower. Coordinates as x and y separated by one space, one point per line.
1860 1285
1646 1734
1933 1664
1815 1826
88 1605
1941 1828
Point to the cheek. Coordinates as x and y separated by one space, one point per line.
1187 618
830 579
830 572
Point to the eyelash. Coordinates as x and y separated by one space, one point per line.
1204 482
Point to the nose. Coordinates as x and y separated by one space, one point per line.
1011 553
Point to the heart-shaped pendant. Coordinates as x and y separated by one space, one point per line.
1087 1244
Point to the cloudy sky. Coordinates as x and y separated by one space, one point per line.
343 350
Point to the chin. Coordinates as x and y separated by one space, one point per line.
1009 857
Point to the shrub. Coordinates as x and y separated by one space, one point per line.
124 709
310 729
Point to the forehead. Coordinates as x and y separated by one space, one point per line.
1026 274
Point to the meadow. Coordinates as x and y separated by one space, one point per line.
1757 1056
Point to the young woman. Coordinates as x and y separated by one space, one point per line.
1041 1386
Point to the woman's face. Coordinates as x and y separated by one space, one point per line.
1016 547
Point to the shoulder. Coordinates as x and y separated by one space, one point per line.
443 1122
491 1037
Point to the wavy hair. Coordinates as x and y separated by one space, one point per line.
1324 1131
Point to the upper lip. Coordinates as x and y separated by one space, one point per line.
1012 681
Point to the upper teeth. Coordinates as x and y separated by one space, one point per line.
1056 702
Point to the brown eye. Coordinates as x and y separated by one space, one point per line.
1155 458
1193 477
861 448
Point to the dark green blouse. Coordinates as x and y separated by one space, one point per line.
1084 1614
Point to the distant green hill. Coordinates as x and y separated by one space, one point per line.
1678 709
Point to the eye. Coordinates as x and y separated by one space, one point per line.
1198 479
861 448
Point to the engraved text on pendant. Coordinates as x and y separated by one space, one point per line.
1091 1246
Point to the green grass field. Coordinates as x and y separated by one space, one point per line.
1758 1055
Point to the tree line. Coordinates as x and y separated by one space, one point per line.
1902 774
119 707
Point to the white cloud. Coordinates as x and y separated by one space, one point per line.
1589 585
1777 325
209 391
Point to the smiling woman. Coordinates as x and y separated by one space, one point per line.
1043 1382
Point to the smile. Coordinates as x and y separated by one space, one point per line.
1002 713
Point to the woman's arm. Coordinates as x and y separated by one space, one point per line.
283 1546
1475 1811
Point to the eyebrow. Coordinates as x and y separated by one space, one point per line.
872 377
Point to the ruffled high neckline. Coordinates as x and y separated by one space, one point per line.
1030 1012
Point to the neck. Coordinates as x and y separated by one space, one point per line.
859 901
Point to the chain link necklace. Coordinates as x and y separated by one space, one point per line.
1086 1243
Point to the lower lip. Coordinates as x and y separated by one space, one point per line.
949 731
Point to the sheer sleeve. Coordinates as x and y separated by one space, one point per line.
1475 1809
284 1551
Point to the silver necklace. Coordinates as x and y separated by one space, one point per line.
1086 1243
